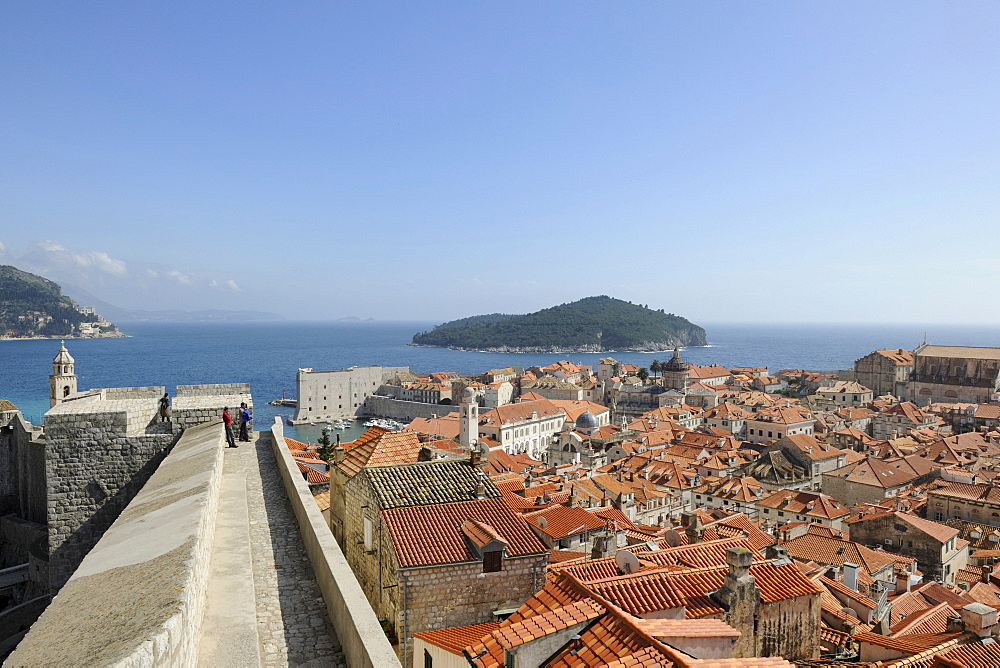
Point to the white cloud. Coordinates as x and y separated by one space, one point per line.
51 246
213 283
231 284
51 255
151 273
3 249
178 277
101 261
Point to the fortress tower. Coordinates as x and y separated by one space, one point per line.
62 382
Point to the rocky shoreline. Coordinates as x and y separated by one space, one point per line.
648 347
103 335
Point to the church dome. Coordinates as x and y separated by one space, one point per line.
675 363
586 420
63 356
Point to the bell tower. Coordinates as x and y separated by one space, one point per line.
62 382
468 419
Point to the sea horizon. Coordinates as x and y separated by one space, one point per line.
267 354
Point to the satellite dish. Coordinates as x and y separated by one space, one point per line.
672 537
542 522
627 562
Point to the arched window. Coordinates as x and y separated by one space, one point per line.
65 391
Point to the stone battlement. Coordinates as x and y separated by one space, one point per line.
144 583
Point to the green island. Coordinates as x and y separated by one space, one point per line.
35 307
593 324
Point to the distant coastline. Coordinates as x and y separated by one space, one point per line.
108 335
559 350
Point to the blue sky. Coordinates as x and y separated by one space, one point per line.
797 162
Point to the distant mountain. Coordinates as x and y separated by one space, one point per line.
594 324
33 306
167 315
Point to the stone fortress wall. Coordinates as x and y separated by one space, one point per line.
101 447
404 411
329 395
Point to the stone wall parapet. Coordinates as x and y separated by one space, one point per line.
361 637
144 584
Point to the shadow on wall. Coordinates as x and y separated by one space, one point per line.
64 560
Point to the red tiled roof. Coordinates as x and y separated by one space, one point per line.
932 620
526 630
380 446
561 521
456 639
313 476
431 534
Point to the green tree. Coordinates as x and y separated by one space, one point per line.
325 450
655 367
643 374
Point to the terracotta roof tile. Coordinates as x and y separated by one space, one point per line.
423 483
456 639
432 534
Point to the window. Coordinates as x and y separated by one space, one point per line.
428 661
492 561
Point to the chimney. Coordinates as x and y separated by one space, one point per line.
955 625
902 582
980 619
741 597
338 454
694 531
425 454
776 551
480 485
604 544
851 575
475 455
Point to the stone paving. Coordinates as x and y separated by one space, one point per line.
292 622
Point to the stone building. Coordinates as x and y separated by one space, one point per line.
433 545
939 552
963 501
885 371
527 426
328 395
846 393
898 419
954 374
769 424
874 480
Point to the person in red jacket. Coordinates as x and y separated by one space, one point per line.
228 421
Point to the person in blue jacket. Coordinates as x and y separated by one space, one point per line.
245 418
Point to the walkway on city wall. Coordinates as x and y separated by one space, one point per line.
223 559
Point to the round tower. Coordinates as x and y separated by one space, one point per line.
62 382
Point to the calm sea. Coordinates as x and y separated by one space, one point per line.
267 355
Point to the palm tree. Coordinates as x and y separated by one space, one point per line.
655 367
643 374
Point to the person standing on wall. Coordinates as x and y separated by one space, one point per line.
228 422
165 407
245 418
